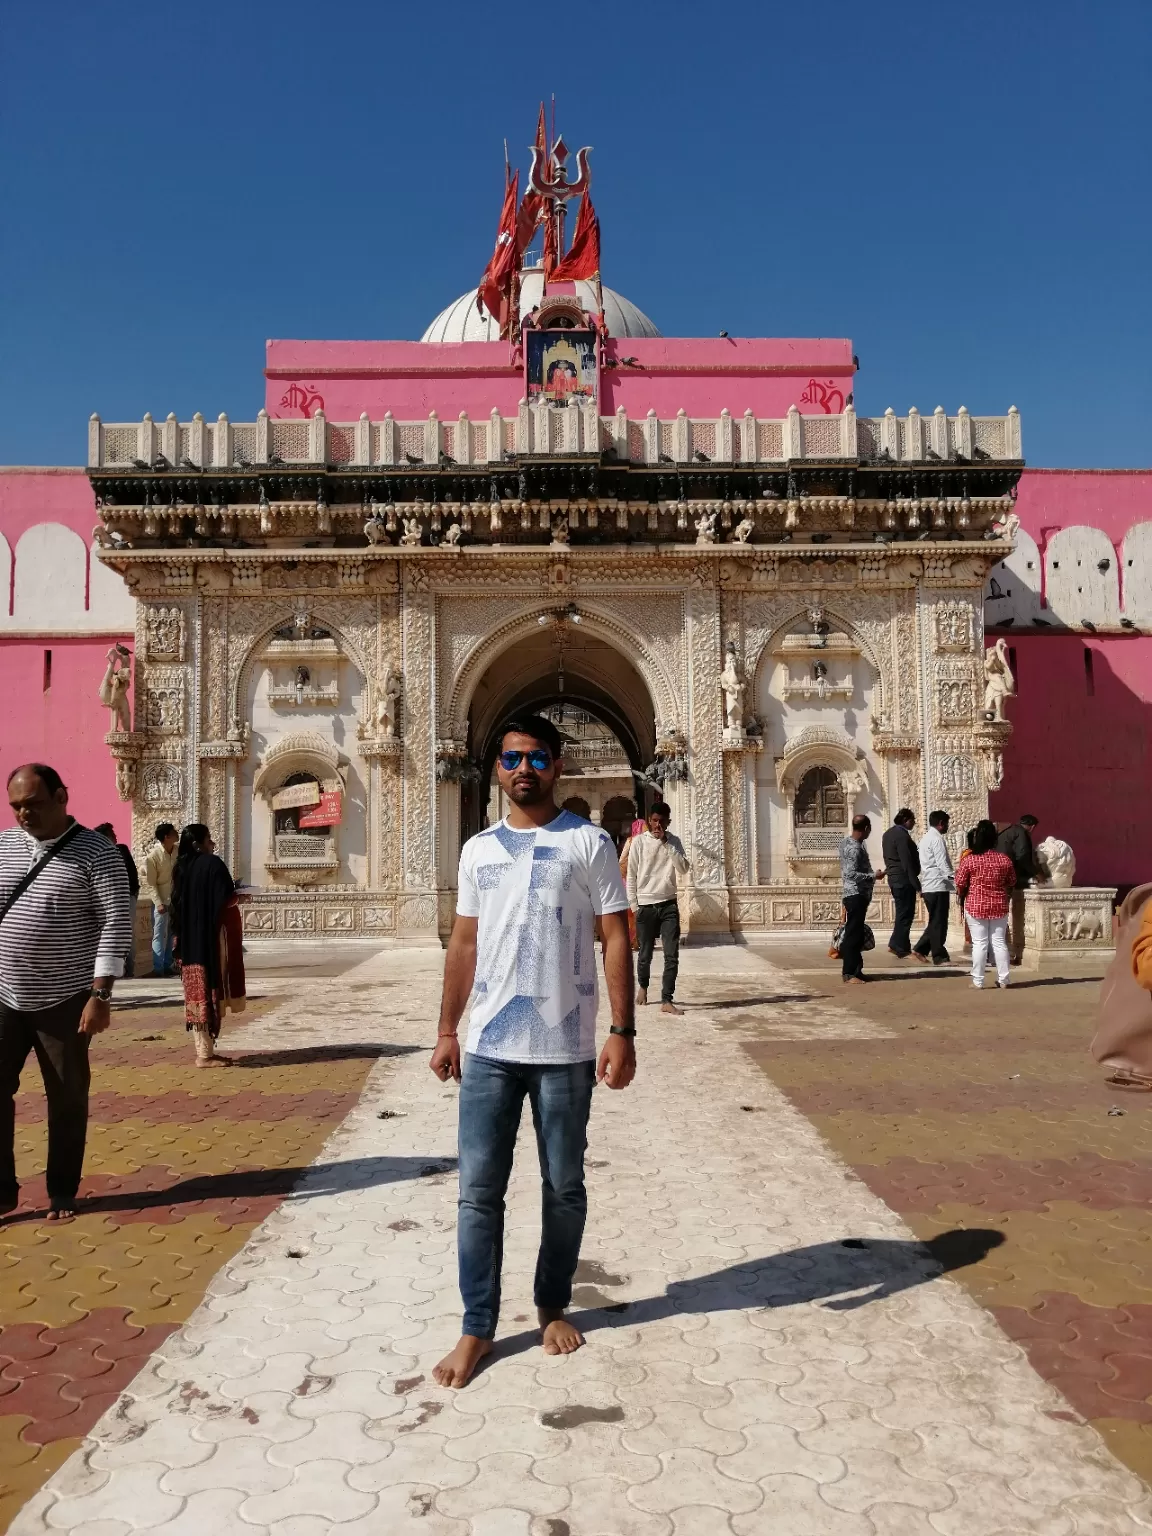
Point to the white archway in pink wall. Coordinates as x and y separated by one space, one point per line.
51 579
1082 581
111 607
1013 587
1138 574
5 581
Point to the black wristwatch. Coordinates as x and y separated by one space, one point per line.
101 994
627 1031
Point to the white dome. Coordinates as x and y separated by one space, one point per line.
462 321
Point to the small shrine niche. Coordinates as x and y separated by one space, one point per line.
303 782
303 660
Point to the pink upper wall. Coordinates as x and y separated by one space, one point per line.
31 496
1111 499
1080 753
412 378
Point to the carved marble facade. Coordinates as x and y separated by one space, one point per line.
258 669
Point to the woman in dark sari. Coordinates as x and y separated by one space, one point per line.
209 940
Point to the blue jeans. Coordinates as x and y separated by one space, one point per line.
491 1096
161 942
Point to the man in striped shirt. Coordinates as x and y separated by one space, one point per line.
62 943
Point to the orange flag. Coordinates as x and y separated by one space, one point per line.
496 284
583 258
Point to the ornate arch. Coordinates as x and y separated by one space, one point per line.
653 673
884 687
324 619
301 752
820 746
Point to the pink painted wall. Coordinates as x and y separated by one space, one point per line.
1111 499
1080 755
411 378
61 723
30 496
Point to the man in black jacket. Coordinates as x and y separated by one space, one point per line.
902 867
1016 842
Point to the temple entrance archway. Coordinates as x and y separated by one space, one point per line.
601 706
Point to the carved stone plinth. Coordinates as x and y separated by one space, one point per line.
740 741
1074 923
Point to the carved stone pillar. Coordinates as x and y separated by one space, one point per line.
418 904
707 902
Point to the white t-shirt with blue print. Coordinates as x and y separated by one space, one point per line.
537 895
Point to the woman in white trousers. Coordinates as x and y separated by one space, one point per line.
984 882
985 931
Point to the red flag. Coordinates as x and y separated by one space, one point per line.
583 258
496 284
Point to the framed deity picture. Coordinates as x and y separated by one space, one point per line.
560 366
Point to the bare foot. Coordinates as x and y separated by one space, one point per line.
641 996
560 1338
457 1369
670 1008
215 1061
62 1212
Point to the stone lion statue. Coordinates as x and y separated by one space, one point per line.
1056 862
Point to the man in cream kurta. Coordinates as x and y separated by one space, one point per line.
655 858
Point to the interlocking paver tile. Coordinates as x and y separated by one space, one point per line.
763 1373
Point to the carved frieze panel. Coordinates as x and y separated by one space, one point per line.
164 700
163 634
955 693
955 628
161 784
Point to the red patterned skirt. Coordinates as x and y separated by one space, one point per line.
204 1006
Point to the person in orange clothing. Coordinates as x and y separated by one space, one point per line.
1142 950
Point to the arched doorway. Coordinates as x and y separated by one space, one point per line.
598 701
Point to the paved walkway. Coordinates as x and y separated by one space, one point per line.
769 1349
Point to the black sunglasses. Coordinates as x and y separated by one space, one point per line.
539 758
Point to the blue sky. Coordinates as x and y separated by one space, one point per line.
964 191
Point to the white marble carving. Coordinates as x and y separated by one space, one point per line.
114 689
1056 862
999 684
734 686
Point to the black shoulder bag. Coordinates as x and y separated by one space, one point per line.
38 869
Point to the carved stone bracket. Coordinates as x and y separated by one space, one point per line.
127 748
740 741
991 737
381 746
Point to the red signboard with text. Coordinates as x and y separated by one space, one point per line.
326 814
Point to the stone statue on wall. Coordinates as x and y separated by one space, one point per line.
382 723
376 530
743 531
734 686
999 684
1005 526
560 531
706 528
1056 863
413 533
114 688
453 536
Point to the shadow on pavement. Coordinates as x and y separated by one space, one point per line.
301 1182
305 1054
825 1272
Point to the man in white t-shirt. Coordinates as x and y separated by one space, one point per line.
523 956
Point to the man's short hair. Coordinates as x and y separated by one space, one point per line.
106 829
661 808
1029 821
938 818
538 728
860 822
50 779
165 829
904 815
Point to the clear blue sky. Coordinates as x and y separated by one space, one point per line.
963 190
